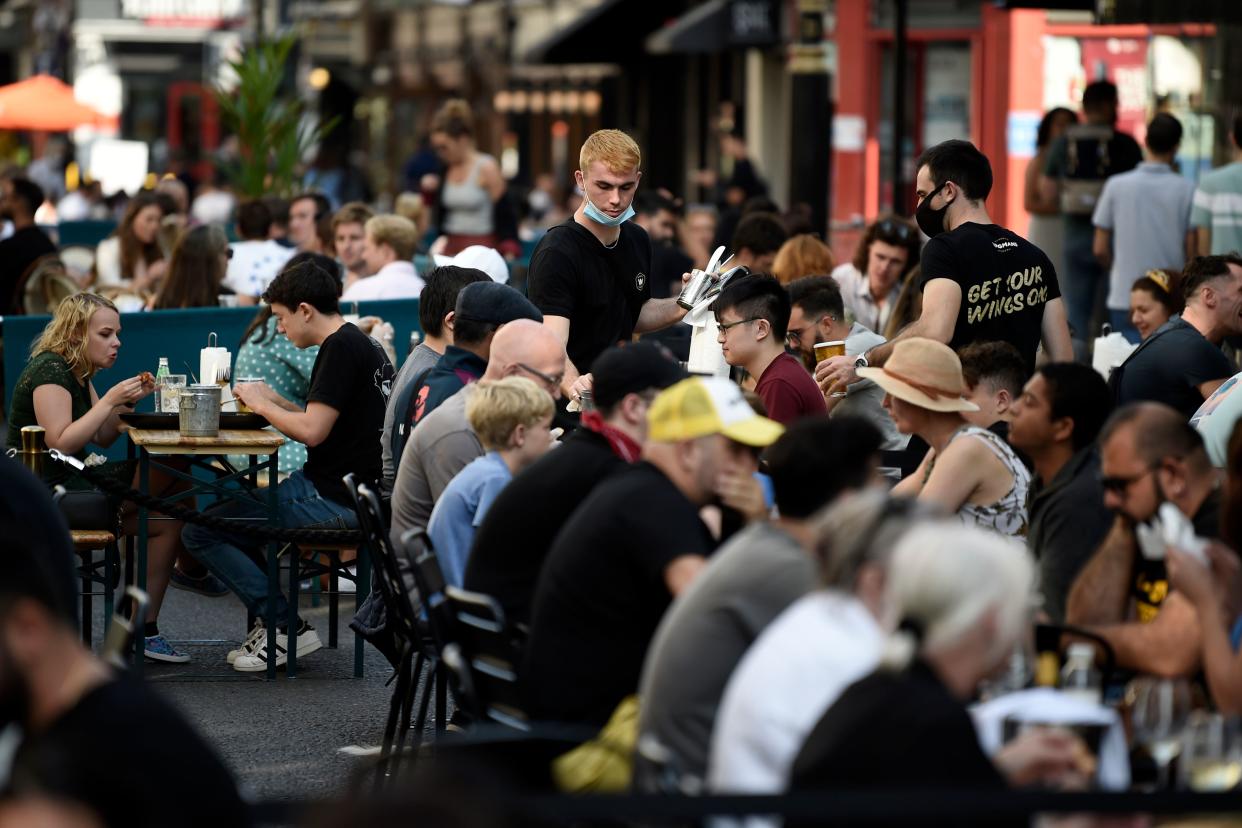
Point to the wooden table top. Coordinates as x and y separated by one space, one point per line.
259 441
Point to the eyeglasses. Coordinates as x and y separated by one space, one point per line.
553 381
1121 485
725 326
794 335
900 230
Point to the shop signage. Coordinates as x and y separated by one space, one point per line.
184 12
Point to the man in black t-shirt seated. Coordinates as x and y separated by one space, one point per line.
513 541
1181 364
1149 455
113 747
980 281
633 545
591 275
19 199
341 428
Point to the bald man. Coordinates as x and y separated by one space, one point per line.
443 443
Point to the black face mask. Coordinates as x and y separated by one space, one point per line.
931 221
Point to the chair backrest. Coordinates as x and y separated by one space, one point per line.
403 620
44 284
485 656
429 579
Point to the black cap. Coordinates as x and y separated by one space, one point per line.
494 303
630 369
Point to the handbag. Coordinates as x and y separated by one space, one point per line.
87 509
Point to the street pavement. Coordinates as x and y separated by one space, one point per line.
282 739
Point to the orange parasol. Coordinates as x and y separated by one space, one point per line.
45 104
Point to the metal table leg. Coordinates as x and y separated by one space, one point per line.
273 567
140 568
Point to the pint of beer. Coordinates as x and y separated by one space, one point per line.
828 350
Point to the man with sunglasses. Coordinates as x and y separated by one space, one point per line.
871 283
1149 455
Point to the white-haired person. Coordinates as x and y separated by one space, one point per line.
969 470
957 599
815 649
512 418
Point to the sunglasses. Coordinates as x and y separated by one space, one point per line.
896 229
1121 485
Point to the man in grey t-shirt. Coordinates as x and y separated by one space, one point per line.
435 317
748 582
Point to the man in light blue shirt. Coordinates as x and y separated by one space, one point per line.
1142 220
1217 213
512 418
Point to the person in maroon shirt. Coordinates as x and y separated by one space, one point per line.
753 315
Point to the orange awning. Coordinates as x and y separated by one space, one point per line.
45 104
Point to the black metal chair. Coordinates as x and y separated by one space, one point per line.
408 633
434 614
484 659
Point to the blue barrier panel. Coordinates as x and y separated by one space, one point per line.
88 233
179 335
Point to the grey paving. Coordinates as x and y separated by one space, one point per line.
282 738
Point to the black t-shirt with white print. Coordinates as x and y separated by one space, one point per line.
599 289
353 375
1005 282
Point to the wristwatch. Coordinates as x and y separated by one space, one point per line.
860 361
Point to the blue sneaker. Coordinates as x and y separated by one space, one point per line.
158 649
207 584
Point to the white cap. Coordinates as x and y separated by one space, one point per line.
1081 650
479 257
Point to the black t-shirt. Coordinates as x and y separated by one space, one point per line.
900 730
1169 366
1005 282
17 253
353 375
513 542
128 755
602 593
1151 577
600 290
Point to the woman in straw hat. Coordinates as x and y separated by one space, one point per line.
969 470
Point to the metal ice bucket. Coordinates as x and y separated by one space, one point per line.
200 411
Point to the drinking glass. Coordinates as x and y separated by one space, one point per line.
1211 753
1159 708
170 393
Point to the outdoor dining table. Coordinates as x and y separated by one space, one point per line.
262 447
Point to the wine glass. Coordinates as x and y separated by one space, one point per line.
1211 753
1158 713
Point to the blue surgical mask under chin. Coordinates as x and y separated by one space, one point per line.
600 217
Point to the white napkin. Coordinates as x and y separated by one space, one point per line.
706 357
1045 705
210 361
1110 351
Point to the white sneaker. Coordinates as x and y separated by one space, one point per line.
257 632
256 661
346 586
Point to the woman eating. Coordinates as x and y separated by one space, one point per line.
55 392
969 470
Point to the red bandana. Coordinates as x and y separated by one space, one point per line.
622 444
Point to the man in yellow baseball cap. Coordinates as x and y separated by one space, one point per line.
632 546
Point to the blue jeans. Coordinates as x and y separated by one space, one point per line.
1120 321
225 553
1082 282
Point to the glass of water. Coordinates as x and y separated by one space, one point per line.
1211 753
170 393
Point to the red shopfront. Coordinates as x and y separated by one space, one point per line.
973 72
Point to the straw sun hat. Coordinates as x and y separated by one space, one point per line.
925 373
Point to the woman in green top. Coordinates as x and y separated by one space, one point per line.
55 391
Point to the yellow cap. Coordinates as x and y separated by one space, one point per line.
699 406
